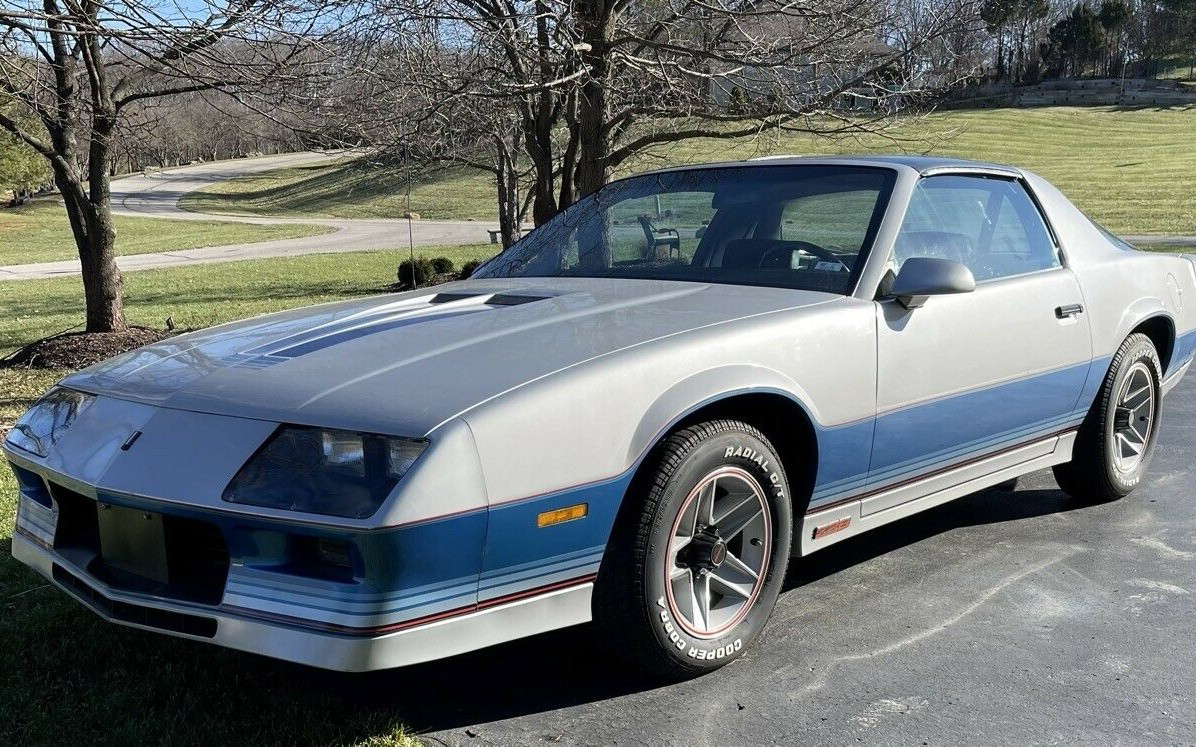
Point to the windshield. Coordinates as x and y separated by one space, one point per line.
804 227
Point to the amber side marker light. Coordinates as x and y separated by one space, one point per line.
561 515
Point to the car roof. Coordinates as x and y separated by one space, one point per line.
924 165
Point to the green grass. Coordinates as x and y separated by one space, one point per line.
358 189
1133 170
38 232
71 678
1180 68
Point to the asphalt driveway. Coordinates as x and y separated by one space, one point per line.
1005 617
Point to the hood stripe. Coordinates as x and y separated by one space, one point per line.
337 338
300 345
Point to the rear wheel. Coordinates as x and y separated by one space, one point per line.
1117 439
698 557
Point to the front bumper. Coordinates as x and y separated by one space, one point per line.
409 595
423 642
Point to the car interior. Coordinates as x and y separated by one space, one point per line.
773 234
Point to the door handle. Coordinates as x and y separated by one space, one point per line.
1071 309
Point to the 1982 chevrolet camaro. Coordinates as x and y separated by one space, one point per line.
637 415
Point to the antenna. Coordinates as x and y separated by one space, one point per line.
410 236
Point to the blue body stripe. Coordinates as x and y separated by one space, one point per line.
921 438
461 598
1185 348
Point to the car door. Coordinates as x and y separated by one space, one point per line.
966 377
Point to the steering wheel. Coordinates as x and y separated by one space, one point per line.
770 258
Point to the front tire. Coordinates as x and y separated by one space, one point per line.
699 551
1116 441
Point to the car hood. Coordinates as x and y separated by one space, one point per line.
404 363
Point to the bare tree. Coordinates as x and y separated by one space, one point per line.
592 84
208 126
78 65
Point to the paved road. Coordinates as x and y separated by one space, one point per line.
1162 240
157 195
1003 618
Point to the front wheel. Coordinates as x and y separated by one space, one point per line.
698 556
1117 439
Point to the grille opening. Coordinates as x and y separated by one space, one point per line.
175 622
32 487
197 557
78 525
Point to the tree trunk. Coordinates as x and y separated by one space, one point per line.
507 181
101 278
1000 54
539 122
97 252
539 150
568 192
593 156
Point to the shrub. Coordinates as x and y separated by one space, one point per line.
424 271
468 268
442 265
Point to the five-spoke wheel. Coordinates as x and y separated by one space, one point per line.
719 546
1134 417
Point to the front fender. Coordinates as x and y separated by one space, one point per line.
704 388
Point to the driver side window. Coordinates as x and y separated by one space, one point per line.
989 224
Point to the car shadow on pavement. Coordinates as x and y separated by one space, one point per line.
570 667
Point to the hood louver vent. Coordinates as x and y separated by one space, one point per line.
450 297
510 299
497 299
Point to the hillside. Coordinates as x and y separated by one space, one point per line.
1133 170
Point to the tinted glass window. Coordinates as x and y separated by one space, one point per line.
838 220
989 224
807 227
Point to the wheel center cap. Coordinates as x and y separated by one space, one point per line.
718 553
708 551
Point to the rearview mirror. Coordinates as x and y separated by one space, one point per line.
921 277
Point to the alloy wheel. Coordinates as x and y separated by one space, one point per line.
718 552
1134 418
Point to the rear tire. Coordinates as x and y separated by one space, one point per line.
699 552
1116 441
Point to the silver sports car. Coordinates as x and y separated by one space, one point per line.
639 414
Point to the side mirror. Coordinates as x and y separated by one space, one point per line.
921 277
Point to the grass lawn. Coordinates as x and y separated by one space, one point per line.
1133 170
71 678
38 232
358 189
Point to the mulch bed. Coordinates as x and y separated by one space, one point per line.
81 349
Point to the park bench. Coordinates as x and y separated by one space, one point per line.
666 237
